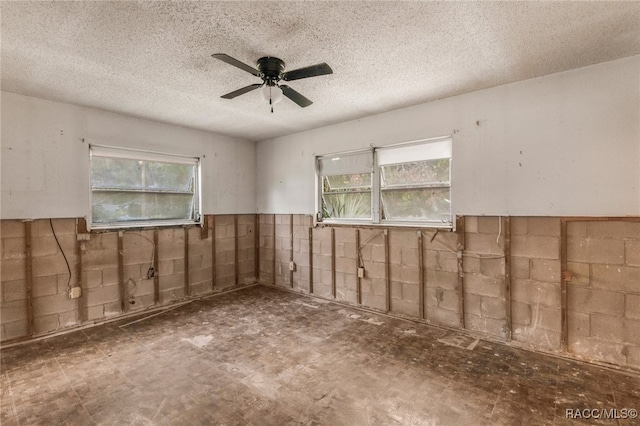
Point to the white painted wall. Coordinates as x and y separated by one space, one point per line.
45 162
562 144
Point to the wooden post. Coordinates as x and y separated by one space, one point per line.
507 275
311 259
333 262
291 249
186 262
460 250
421 273
29 277
256 246
236 271
387 272
274 250
564 314
213 253
121 283
156 261
79 280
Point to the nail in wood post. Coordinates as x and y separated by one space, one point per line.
460 250
506 225
235 249
121 283
274 249
311 259
421 273
291 249
156 262
358 279
564 337
333 262
387 273
213 253
29 277
187 291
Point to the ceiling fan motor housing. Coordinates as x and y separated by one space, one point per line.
271 69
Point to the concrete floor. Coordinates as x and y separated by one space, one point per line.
261 356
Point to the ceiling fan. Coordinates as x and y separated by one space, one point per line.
271 71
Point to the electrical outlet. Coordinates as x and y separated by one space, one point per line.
292 266
75 292
151 272
360 272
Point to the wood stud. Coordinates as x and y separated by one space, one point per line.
290 250
29 277
187 290
358 279
213 253
506 225
421 270
333 262
121 283
564 315
311 259
387 273
156 261
460 250
236 270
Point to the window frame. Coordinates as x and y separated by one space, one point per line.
104 151
377 189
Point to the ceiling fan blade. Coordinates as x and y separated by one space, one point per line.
242 91
311 71
295 96
236 63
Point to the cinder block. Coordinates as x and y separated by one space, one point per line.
112 309
68 319
53 304
410 256
519 226
577 229
443 317
45 286
520 268
614 229
378 253
14 329
491 326
579 324
493 307
539 337
615 329
396 289
442 279
544 226
482 243
614 277
535 247
534 292
101 295
445 299
587 300
13 248
521 313
45 324
447 261
13 269
545 270
470 265
632 252
546 317
492 267
410 293
14 290
488 225
409 274
91 278
580 273
100 258
482 285
15 310
10 228
592 250
470 224
632 309
404 307
373 301
471 303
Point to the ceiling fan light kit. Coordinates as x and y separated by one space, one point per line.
271 71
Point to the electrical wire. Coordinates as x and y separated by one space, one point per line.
153 251
360 260
61 251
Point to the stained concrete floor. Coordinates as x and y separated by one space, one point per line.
261 356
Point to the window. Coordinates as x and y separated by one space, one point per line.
136 189
346 186
400 184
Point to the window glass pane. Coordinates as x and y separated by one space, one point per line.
347 205
416 173
114 206
347 182
139 174
430 204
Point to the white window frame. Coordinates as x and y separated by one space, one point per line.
134 154
376 190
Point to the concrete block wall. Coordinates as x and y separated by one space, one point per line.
603 264
511 288
95 258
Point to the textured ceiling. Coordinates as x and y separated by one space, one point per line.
153 59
